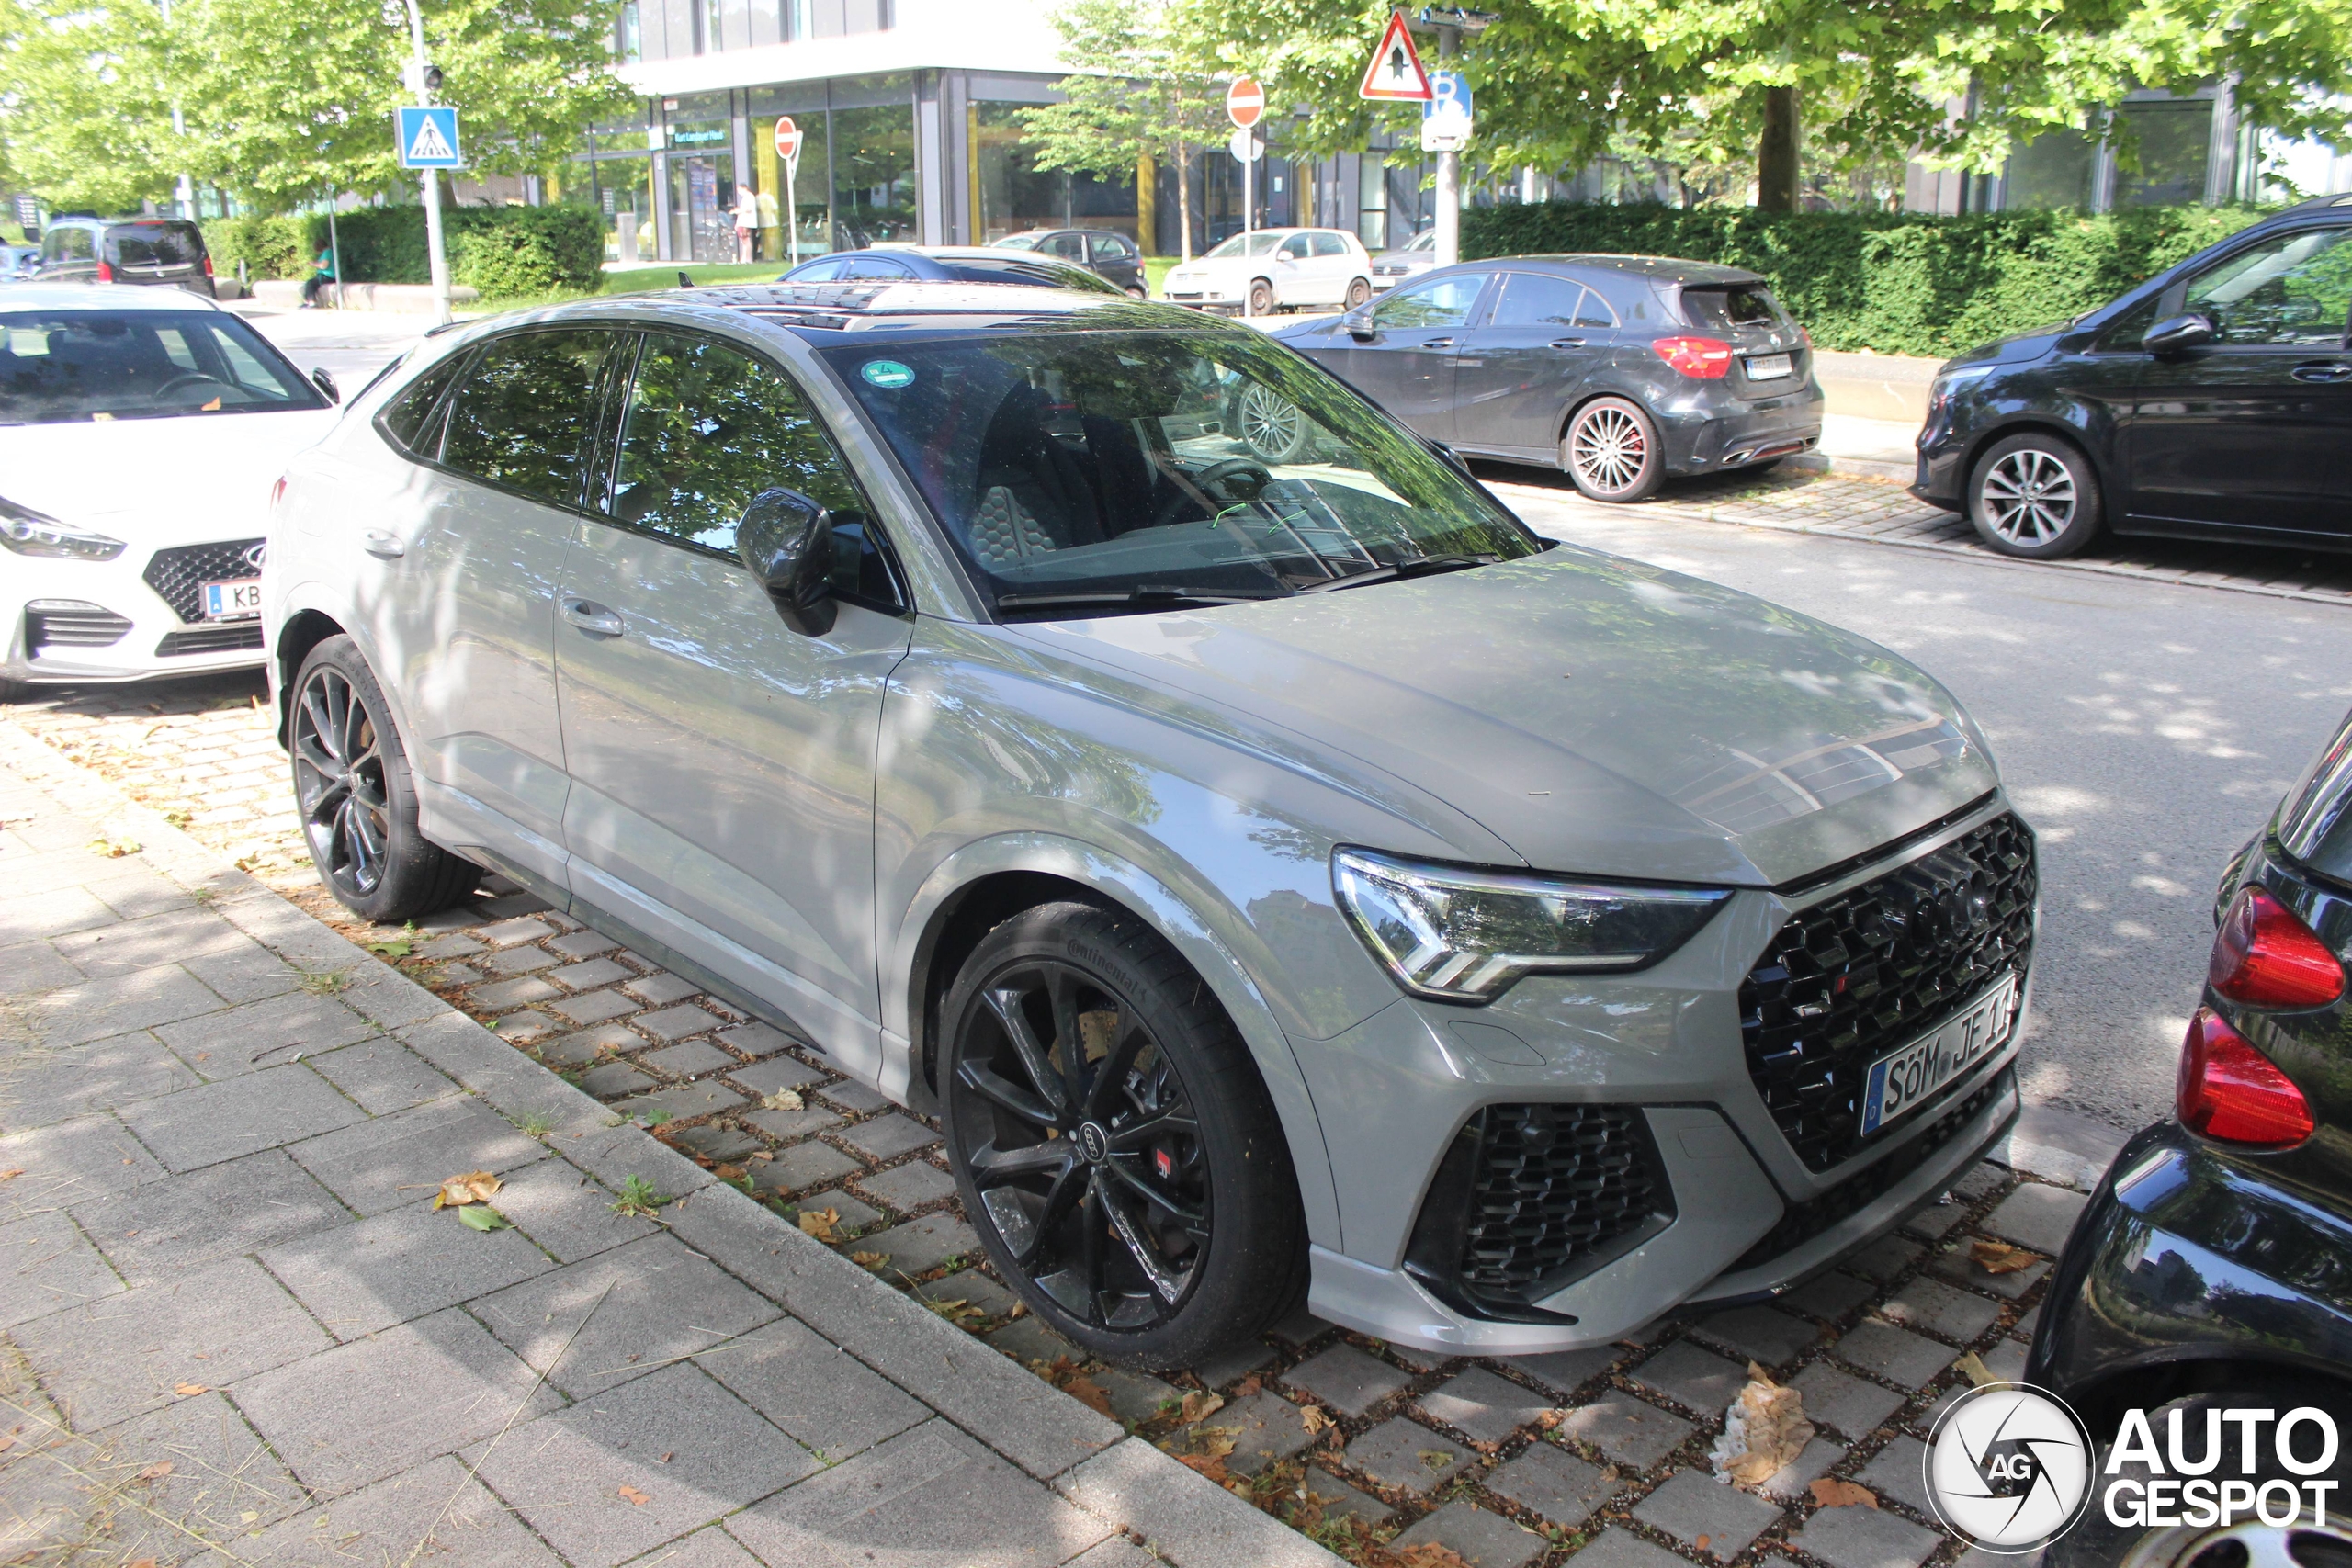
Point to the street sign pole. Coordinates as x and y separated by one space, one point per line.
1449 169
787 147
430 179
1245 105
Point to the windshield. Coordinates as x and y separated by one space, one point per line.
1015 243
65 366
1248 245
1427 242
1081 473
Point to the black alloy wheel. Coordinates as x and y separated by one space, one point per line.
1111 1142
356 800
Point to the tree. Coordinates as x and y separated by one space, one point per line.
1143 92
283 100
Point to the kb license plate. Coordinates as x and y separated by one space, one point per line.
239 600
1899 1084
1769 368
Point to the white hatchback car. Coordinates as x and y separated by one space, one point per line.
1277 269
140 430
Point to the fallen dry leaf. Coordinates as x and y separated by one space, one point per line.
668 1457
1089 1392
1428 1554
784 1100
1313 1417
1972 1368
635 1498
1435 1459
113 849
1702 1542
763 1154
1216 1441
872 1261
1608 1475
1248 1386
156 1471
473 1187
1199 1404
819 1222
189 1389
1209 1465
11 1174
1832 1492
2000 1257
141 1562
1764 1431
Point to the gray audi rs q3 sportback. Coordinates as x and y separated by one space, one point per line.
1272 874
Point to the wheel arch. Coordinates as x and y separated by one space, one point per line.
2033 422
297 636
1584 396
992 880
2145 1385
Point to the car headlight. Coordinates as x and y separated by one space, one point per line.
1949 382
30 533
1464 936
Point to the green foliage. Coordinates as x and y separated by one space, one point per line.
504 251
1895 283
270 247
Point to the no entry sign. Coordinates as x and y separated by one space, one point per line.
787 139
1245 102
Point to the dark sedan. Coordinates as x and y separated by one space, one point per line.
1621 370
2213 1271
1110 256
2213 401
945 263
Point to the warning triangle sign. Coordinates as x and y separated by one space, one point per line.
1395 72
429 146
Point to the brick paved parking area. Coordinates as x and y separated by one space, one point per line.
1811 501
738 1298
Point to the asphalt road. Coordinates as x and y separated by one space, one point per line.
2145 729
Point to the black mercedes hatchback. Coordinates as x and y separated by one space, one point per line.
1621 370
2213 1271
2213 401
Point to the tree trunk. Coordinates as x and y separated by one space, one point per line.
1776 152
1184 199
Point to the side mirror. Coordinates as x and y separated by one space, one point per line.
787 541
325 383
1359 324
2178 333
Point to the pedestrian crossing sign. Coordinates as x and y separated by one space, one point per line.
428 138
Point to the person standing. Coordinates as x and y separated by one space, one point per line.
323 274
747 222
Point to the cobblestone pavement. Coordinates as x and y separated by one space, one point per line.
1809 500
1370 1450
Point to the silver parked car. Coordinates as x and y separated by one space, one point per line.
1268 872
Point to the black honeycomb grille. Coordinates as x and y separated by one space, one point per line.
1852 977
178 576
1529 1196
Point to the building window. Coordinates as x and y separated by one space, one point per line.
626 42
2055 169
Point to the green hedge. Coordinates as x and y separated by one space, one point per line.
1894 283
502 250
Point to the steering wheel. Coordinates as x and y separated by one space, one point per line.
189 379
1214 476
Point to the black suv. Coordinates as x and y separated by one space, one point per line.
2213 401
2212 1268
167 251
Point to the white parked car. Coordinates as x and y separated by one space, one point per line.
1277 269
140 430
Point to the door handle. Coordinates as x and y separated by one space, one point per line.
1437 343
385 547
590 616
2323 371
1565 343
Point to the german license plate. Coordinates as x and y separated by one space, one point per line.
1902 1082
1769 368
239 600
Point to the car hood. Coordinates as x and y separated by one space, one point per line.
1596 715
2017 348
194 477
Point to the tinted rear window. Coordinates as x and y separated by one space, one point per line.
156 244
1728 309
524 414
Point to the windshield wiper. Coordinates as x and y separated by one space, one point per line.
1420 566
1151 595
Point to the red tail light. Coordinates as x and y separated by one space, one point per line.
106 273
2265 957
208 265
1707 358
2231 1091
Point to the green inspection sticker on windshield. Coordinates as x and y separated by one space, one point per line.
887 373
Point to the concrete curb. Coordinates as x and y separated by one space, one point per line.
1188 1519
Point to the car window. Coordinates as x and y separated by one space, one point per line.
1078 472
2291 289
1244 245
1539 299
1728 309
1016 242
709 427
408 418
1111 247
1071 247
1299 247
524 413
156 244
1330 245
62 367
823 271
1441 302
1041 270
862 268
